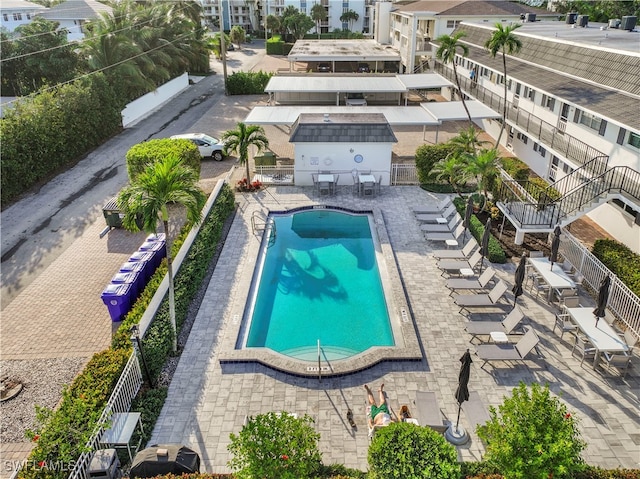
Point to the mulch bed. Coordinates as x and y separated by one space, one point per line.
532 241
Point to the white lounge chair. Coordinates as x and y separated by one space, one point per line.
419 210
433 217
463 253
458 264
446 236
476 412
508 352
429 411
485 328
465 284
431 228
466 301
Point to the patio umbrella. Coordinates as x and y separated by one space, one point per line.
555 246
462 393
467 215
603 296
484 244
519 278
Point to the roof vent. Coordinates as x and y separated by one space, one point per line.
614 23
529 17
628 22
583 20
571 18
326 117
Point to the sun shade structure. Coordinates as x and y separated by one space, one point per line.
341 50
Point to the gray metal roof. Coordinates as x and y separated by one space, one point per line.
342 50
342 128
20 5
454 110
598 80
329 83
76 10
424 81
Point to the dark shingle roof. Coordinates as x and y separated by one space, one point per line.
76 10
342 128
470 8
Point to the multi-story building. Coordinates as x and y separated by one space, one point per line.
410 27
73 15
14 13
573 98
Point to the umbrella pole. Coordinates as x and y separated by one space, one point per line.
458 420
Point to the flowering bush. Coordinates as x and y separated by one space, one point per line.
275 445
533 436
245 185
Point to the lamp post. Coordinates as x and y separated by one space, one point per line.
137 346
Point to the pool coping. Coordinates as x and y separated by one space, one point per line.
408 346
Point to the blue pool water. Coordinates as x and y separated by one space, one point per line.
319 280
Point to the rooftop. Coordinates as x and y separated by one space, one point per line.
468 8
342 128
354 50
20 5
76 10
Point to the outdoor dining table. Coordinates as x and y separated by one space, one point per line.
555 277
362 179
327 178
602 336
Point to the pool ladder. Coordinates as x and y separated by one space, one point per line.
264 225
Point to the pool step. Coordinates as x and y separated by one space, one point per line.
310 353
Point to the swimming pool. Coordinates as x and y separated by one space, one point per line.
317 278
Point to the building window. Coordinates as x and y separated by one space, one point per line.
452 23
548 102
540 149
523 138
634 140
5 17
17 16
590 121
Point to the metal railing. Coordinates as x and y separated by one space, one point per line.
402 174
622 302
272 174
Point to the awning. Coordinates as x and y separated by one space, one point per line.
333 84
454 111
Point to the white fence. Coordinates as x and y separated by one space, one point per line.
623 303
402 174
139 108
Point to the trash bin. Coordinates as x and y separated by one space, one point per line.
157 248
131 278
105 465
157 237
136 267
112 215
146 257
117 297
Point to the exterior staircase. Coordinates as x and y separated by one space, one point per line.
539 210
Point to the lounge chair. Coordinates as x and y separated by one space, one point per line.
465 284
464 253
430 228
425 210
466 301
508 352
485 328
429 411
458 264
433 217
475 411
446 236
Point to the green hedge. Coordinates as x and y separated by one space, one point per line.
46 133
623 262
248 83
427 156
141 155
496 253
61 434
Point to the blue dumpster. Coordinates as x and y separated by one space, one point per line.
131 278
145 257
117 297
159 250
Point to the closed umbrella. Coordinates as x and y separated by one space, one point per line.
467 215
555 246
519 278
603 296
484 245
459 435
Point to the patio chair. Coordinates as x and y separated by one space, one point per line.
433 209
368 188
539 285
430 228
465 284
570 302
466 301
458 264
464 253
446 236
630 339
485 328
583 347
620 361
433 217
356 183
565 323
536 254
378 185
508 352
429 411
324 188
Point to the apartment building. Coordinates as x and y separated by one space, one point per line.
573 98
74 15
14 13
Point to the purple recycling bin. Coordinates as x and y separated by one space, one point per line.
145 257
131 278
157 237
159 250
117 297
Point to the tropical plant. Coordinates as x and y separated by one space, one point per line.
505 41
532 435
146 199
298 24
273 23
275 445
350 17
141 155
484 166
467 140
240 139
427 156
447 52
453 170
215 43
237 35
318 14
404 450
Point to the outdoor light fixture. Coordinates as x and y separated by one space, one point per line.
137 346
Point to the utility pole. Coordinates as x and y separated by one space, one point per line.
223 47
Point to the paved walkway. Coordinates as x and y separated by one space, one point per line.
206 402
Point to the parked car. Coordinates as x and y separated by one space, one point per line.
363 68
355 99
324 67
207 145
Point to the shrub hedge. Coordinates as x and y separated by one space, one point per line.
623 262
141 155
248 83
427 156
62 434
46 133
496 253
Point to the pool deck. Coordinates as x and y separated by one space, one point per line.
207 402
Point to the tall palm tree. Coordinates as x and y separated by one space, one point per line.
484 166
166 181
240 139
453 170
350 17
467 140
318 14
447 51
505 41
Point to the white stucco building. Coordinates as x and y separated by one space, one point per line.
75 14
14 13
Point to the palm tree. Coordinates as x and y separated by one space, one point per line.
349 17
467 141
240 139
238 35
447 51
484 166
504 40
318 14
453 170
166 181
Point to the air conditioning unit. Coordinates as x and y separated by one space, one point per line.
628 23
529 17
571 18
583 20
614 23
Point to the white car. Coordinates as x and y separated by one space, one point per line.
207 145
